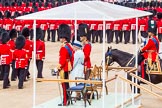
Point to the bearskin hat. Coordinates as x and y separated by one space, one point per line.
6 4
83 30
39 33
27 4
13 4
25 32
64 31
153 13
7 14
157 4
20 42
159 15
5 37
13 33
1 15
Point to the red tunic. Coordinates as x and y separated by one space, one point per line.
20 57
1 23
28 47
143 24
133 24
28 24
41 8
5 54
93 25
12 10
126 25
159 26
87 52
11 43
64 56
42 24
52 24
19 25
20 9
150 49
27 9
109 25
8 24
40 50
117 25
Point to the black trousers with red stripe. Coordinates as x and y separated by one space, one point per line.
1 74
20 74
39 64
5 71
13 74
65 86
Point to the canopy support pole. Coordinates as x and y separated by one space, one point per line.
34 62
103 77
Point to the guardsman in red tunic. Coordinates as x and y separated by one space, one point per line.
20 57
8 22
126 29
159 26
100 31
52 30
93 28
143 27
109 31
65 58
5 55
117 30
83 32
11 43
133 29
28 47
27 9
40 52
29 24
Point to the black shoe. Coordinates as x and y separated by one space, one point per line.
40 77
20 87
9 85
13 79
61 104
5 87
25 80
28 77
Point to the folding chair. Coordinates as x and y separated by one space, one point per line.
79 88
96 75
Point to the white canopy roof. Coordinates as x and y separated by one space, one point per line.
87 10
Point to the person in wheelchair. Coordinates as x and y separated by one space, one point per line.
150 51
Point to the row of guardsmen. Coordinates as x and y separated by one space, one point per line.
16 51
25 7
118 28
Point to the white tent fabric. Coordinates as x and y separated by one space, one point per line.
87 10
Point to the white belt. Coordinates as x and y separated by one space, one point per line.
20 59
4 55
40 51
